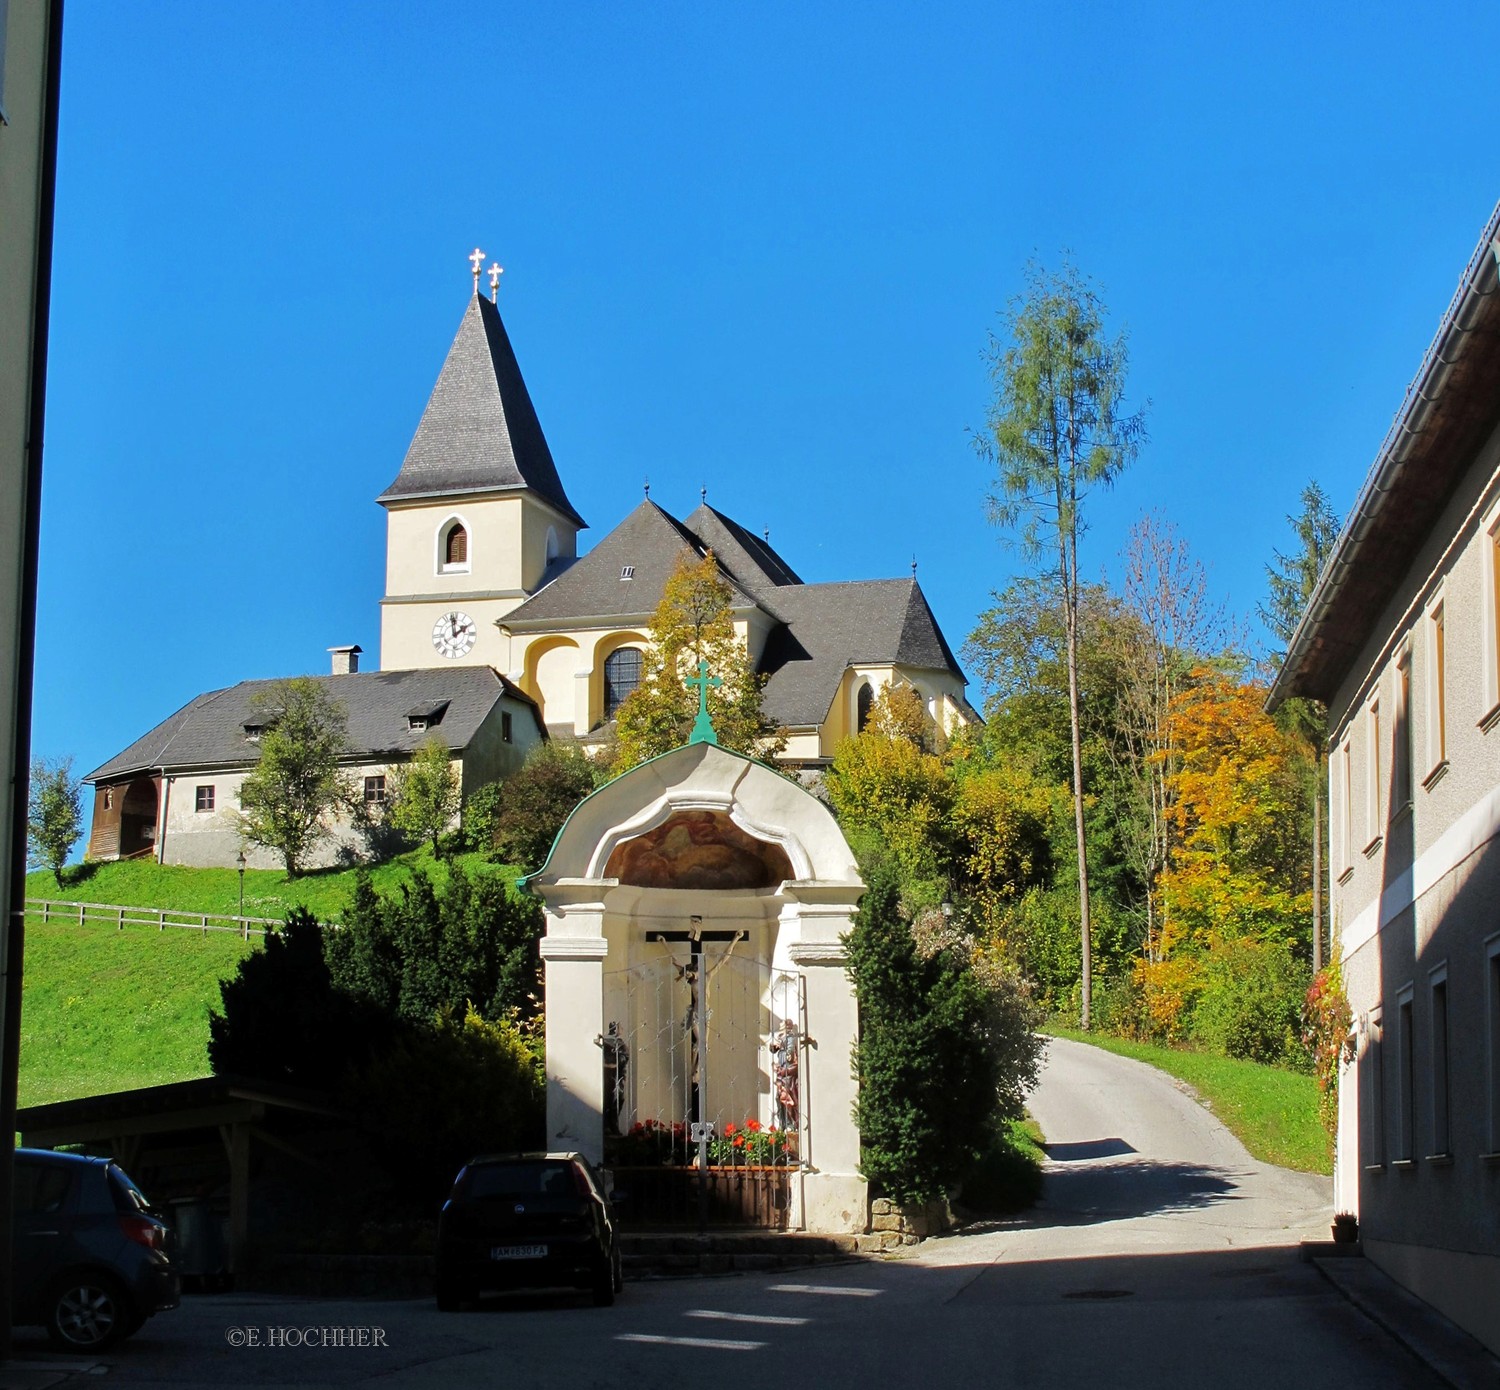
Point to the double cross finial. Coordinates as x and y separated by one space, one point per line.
703 726
476 264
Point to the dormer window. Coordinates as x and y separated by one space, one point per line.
426 716
453 548
627 572
254 731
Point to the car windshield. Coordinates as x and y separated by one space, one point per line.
530 1178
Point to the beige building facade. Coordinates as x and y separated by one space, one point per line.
1401 639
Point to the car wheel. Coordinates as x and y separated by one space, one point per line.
619 1274
89 1312
604 1287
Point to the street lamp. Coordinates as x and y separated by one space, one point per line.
239 861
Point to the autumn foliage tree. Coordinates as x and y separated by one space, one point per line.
693 623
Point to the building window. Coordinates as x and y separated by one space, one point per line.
622 674
1401 758
627 571
1372 1095
453 548
1437 687
375 790
204 799
1345 807
1442 1139
505 726
1490 627
862 707
1372 775
1406 1127
1492 1030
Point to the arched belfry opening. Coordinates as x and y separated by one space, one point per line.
695 908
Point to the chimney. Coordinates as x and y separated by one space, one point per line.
345 660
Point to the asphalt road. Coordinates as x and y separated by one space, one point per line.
1163 1256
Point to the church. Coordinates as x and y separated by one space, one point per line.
490 611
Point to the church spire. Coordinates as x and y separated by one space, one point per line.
480 432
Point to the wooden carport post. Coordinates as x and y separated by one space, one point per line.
236 1137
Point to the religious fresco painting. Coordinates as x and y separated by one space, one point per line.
698 849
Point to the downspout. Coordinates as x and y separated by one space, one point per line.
161 829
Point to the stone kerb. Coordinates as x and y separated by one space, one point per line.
893 1224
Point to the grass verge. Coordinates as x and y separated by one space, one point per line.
1009 1177
268 892
1271 1111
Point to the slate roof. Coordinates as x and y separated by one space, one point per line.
826 628
479 432
746 558
650 543
209 731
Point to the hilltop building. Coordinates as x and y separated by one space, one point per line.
490 612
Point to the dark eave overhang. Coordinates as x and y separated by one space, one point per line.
1451 407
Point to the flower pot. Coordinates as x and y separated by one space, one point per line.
1345 1229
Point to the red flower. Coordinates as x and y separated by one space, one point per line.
739 1141
729 1129
753 1126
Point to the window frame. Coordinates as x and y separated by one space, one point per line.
453 522
1374 822
1436 624
1489 626
1372 1092
204 798
1403 753
1406 1126
379 792
1492 1038
608 678
1439 1066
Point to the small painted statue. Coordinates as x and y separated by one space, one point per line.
784 1075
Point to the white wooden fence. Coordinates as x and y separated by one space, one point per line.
119 917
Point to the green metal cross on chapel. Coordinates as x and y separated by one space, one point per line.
703 726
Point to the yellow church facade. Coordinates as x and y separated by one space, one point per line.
483 568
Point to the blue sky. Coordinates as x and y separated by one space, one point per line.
752 248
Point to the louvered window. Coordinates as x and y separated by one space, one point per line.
456 547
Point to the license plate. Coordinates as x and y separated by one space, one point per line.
519 1252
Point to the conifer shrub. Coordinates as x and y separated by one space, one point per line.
947 1046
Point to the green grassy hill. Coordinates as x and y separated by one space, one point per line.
107 1010
268 892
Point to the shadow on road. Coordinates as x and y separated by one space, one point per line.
1092 1148
1140 1187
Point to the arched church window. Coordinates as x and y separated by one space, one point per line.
622 674
864 704
456 547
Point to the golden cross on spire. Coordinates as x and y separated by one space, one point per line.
476 259
496 271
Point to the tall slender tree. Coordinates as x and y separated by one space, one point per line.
1291 578
1056 431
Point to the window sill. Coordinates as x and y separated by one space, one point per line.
1401 812
1404 1165
1493 1158
1374 1167
1439 1160
1346 876
1436 775
1373 848
1490 718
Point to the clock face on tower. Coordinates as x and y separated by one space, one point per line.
453 634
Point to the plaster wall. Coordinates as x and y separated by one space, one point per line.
1416 864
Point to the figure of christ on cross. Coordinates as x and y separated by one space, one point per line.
694 1023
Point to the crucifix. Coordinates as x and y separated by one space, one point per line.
695 1023
496 271
476 259
703 726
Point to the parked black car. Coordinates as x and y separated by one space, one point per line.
89 1257
526 1221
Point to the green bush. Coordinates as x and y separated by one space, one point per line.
441 1095
416 952
946 1046
537 799
1251 1003
480 823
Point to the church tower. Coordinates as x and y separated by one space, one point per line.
477 519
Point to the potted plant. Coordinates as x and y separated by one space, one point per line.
1345 1227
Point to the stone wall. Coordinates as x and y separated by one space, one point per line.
893 1225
